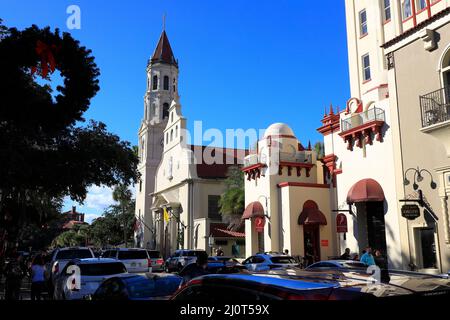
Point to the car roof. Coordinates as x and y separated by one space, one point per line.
95 260
148 275
270 279
73 248
127 249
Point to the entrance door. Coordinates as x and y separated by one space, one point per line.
376 229
311 242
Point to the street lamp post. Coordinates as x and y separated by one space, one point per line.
418 178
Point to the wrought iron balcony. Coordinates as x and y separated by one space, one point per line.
374 114
435 107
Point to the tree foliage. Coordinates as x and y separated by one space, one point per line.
232 201
46 149
320 149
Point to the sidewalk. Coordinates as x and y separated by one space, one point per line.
24 289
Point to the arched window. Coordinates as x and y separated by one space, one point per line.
155 82
171 117
165 110
176 131
445 69
174 84
166 83
167 137
171 135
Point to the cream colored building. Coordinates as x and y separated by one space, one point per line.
184 180
287 199
397 118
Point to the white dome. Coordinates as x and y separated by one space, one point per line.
277 129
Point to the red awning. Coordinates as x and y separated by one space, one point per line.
365 190
311 214
254 209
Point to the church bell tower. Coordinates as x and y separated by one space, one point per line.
162 89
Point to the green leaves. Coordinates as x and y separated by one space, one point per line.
232 201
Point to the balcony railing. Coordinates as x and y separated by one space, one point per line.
374 114
251 160
435 107
300 157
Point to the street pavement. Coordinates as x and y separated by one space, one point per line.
25 289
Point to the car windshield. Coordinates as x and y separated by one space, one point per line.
284 260
154 254
132 255
74 254
100 269
141 288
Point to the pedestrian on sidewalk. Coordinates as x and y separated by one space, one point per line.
14 275
382 263
367 257
37 278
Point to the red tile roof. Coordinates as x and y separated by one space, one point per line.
219 230
226 156
163 52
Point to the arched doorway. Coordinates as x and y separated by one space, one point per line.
368 197
311 218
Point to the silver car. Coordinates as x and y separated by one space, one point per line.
267 261
337 265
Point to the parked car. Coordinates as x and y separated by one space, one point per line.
149 286
59 257
298 284
218 264
182 258
136 260
157 260
267 261
337 265
93 271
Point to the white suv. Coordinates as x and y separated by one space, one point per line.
93 272
61 256
135 260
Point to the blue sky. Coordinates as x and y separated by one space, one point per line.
243 63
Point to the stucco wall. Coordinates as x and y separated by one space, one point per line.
417 73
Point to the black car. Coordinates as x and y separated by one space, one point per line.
297 284
148 286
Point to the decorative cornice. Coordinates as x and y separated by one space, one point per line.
303 184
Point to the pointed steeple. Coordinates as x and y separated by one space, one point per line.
163 52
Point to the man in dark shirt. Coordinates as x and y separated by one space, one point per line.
346 254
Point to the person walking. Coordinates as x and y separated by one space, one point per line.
37 278
14 275
220 252
381 263
367 257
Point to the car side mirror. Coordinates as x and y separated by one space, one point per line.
88 297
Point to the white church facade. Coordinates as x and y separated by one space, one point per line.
178 193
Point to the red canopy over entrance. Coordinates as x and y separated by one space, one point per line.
311 214
254 209
366 190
